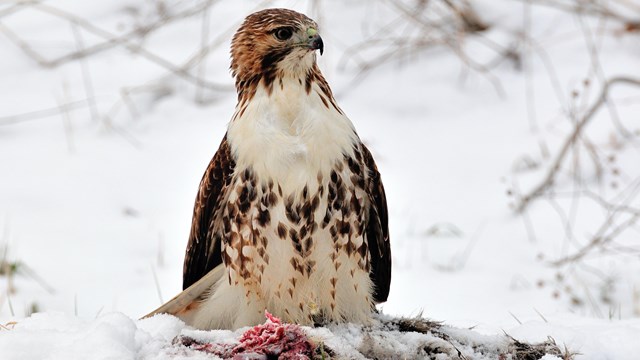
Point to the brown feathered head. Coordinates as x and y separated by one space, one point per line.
274 43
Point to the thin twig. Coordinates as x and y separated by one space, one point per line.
599 239
528 68
204 40
66 119
594 55
18 6
591 8
86 75
44 113
23 45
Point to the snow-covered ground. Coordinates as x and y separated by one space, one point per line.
96 195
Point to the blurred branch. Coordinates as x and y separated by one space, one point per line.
606 233
204 41
86 75
470 19
23 45
434 23
39 114
573 137
112 41
593 8
611 207
18 6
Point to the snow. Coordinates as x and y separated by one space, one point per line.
52 335
111 336
94 210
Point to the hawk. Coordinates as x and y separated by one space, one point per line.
291 214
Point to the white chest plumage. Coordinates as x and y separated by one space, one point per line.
294 217
290 135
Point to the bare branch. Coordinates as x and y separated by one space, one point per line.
601 238
44 113
591 8
17 7
575 135
112 41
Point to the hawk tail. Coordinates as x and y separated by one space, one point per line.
185 304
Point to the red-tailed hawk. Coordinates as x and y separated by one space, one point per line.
291 214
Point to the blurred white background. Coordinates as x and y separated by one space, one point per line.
111 110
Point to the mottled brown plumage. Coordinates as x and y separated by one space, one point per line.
291 214
214 182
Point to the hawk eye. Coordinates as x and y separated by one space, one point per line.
283 33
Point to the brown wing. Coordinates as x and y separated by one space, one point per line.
377 231
203 250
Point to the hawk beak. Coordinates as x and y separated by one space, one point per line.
315 43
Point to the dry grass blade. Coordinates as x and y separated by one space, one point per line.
8 326
86 75
524 351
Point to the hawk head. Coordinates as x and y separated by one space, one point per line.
274 43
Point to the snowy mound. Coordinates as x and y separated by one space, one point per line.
115 336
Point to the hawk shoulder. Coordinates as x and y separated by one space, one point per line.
203 252
377 232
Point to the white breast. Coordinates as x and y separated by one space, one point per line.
290 135
293 139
